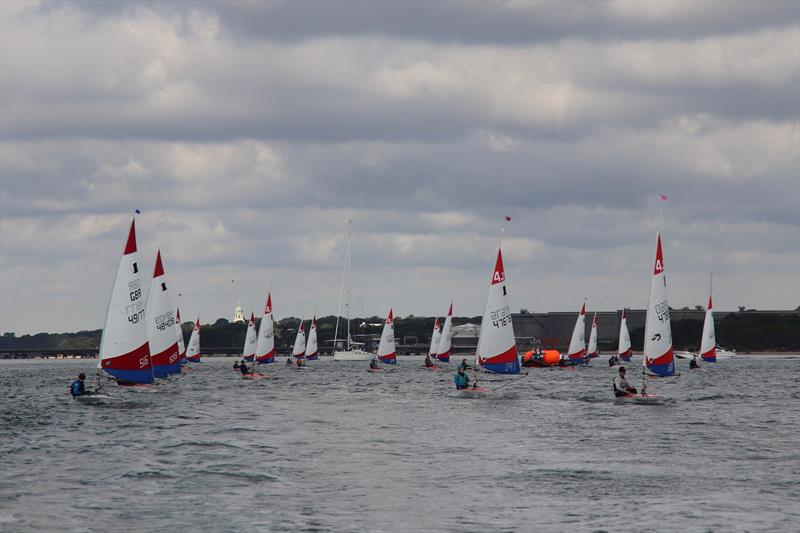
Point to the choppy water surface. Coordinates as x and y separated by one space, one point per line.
335 448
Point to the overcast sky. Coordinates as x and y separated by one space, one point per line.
248 133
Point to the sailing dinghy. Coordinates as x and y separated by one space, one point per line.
161 325
193 349
265 348
436 336
577 344
591 352
179 333
443 351
658 358
250 340
312 351
386 348
497 349
124 349
299 350
708 342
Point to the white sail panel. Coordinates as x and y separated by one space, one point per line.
250 339
386 347
443 352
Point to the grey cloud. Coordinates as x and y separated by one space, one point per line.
506 23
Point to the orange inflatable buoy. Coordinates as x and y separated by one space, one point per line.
551 357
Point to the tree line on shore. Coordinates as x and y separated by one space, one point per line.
743 332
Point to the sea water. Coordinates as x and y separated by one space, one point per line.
336 448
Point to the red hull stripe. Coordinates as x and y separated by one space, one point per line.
138 359
578 355
509 356
167 357
663 359
269 355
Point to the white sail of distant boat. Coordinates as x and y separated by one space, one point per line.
624 349
708 340
592 350
577 343
443 352
658 351
435 338
386 348
312 351
497 347
299 350
124 348
161 325
193 348
265 348
179 333
351 352
250 340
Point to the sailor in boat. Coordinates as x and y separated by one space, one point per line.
693 363
289 361
300 362
461 379
236 365
621 385
613 360
78 388
244 369
374 363
464 364
428 362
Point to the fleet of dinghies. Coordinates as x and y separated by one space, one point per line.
142 338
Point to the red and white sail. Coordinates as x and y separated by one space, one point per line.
592 350
443 351
435 338
179 334
124 349
708 343
265 347
299 350
250 340
658 358
624 349
312 351
161 325
577 343
193 349
386 349
497 348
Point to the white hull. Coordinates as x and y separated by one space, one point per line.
353 355
725 354
681 354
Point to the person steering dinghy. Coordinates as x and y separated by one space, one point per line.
621 386
461 379
78 388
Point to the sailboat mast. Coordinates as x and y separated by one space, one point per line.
349 278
